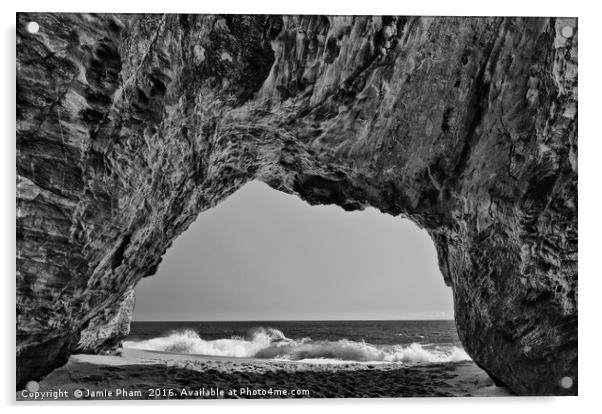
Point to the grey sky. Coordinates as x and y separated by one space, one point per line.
264 255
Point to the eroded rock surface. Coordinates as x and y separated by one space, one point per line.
129 126
105 331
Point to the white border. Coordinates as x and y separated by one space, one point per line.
590 154
431 7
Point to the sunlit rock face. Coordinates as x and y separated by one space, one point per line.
105 331
129 126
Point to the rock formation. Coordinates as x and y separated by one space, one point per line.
106 330
129 126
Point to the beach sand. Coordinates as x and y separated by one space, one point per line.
154 375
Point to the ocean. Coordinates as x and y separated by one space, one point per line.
405 342
278 359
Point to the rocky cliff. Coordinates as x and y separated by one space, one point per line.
129 126
105 331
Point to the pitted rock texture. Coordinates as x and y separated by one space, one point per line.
129 126
106 330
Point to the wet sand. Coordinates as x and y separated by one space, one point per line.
154 375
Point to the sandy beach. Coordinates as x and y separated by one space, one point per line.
138 374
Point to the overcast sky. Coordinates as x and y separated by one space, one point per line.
265 255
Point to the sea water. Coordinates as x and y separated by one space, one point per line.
407 342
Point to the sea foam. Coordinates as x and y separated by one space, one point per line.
269 343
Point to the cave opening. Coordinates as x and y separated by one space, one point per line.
265 255
265 267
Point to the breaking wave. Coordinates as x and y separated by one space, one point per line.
271 343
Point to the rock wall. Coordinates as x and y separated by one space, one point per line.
129 126
105 331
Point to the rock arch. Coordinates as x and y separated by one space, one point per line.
130 126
